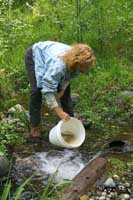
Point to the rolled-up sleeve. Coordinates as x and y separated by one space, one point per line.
50 100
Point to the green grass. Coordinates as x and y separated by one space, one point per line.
51 191
99 91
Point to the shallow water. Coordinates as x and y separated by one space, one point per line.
68 137
69 162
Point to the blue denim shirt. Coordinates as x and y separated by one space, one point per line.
50 69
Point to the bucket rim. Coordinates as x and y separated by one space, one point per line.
61 138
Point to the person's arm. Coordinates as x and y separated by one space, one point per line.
59 95
62 90
60 113
53 105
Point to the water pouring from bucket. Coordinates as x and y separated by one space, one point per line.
69 134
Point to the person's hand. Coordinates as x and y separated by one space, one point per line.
61 114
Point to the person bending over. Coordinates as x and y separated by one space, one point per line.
50 66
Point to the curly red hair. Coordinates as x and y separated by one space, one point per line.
79 54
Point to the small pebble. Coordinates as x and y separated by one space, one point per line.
127 185
107 198
128 190
98 193
123 179
121 188
112 194
103 193
102 198
124 196
116 177
115 188
84 197
109 195
109 183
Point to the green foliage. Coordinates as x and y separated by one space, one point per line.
8 135
13 29
7 190
100 94
49 192
5 91
106 26
12 127
117 166
130 164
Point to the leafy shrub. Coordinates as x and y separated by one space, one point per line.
8 134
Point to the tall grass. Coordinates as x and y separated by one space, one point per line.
50 192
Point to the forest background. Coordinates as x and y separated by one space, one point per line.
105 25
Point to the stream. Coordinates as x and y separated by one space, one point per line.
44 159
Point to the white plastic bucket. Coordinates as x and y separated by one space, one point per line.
69 134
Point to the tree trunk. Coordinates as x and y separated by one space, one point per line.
83 182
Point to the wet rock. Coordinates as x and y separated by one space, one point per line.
24 168
124 196
109 183
4 165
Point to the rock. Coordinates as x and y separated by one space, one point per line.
24 168
109 183
75 98
4 165
19 108
26 195
124 196
121 188
116 177
126 94
127 185
11 110
15 109
107 198
102 198
104 194
84 197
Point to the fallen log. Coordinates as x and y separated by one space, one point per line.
83 182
